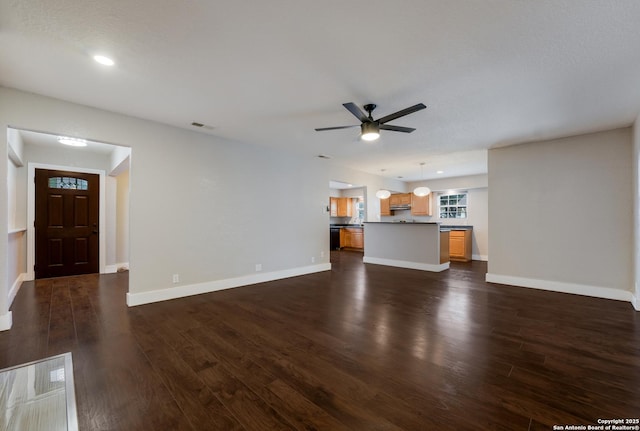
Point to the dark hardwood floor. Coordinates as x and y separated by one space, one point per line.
362 347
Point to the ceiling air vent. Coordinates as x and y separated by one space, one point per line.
204 126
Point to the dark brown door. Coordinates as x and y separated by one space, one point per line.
67 205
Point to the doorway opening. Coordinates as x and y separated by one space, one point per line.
347 213
31 152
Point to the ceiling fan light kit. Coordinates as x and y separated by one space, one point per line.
370 131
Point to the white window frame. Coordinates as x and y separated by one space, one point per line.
457 206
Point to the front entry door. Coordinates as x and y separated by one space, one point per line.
66 223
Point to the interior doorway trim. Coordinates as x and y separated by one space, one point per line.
31 214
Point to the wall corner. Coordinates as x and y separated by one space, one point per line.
6 321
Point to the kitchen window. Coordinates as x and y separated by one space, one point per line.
453 205
359 212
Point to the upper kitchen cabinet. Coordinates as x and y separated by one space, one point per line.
341 207
400 199
385 207
421 205
345 207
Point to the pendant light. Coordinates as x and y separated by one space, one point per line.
383 194
422 190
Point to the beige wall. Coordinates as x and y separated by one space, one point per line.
560 214
122 219
16 244
636 212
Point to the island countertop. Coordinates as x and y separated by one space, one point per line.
401 222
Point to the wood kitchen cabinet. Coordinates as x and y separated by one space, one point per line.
333 207
460 245
340 207
352 237
357 238
385 207
444 247
345 207
421 205
400 199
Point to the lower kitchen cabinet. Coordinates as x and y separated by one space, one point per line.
460 245
352 237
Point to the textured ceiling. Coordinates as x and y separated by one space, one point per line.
491 73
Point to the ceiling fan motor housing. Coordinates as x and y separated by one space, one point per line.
369 108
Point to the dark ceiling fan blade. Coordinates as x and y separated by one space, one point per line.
396 128
336 128
402 113
353 108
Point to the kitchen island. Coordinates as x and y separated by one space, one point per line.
411 245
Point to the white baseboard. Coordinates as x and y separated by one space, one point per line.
482 257
112 269
141 298
635 302
558 286
406 264
6 321
16 287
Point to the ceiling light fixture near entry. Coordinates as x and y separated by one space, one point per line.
422 190
104 60
74 142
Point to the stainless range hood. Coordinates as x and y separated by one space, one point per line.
400 207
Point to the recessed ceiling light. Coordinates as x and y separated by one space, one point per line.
74 142
440 172
106 61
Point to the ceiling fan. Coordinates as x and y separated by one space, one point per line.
371 128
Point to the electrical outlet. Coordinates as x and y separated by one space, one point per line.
176 278
258 267
313 259
322 254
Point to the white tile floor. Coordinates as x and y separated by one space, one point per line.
39 396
